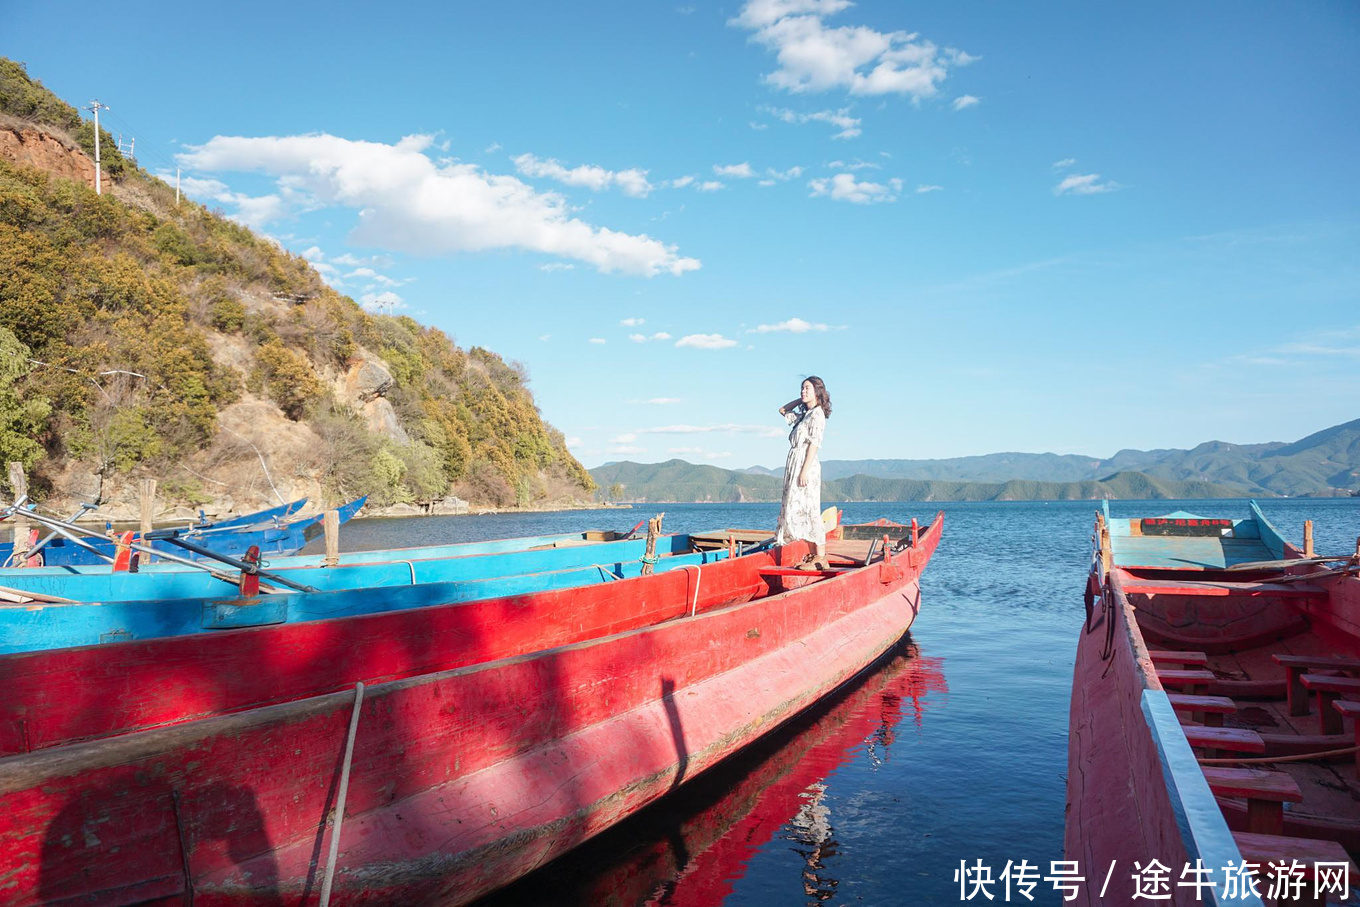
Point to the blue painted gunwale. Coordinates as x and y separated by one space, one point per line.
394 570
254 519
233 541
28 628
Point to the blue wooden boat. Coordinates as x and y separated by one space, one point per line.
38 626
268 515
366 570
269 530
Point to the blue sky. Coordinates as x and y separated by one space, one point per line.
988 227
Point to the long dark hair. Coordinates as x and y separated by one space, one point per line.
823 398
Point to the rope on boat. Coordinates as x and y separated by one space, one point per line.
344 791
1265 760
698 575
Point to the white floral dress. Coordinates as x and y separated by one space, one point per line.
800 517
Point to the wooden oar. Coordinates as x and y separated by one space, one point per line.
23 597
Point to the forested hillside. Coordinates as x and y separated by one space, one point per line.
678 481
140 337
1324 463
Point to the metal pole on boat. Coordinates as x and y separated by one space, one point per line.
1307 538
340 799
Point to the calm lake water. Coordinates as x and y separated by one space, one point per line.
954 749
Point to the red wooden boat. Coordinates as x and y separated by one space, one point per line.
1191 681
461 780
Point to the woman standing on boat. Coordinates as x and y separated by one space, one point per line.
800 516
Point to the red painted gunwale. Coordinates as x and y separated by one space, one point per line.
60 696
462 780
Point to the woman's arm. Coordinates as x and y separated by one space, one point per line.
802 473
788 407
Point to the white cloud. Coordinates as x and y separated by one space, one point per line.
626 438
661 335
782 175
849 126
815 57
632 182
681 182
255 211
963 102
706 341
924 188
557 266
843 187
643 338
313 254
758 127
1064 163
598 341
574 442
740 171
854 165
729 428
544 336
766 183
408 202
380 302
493 148
632 322
362 272
638 338
792 326
711 186
1084 184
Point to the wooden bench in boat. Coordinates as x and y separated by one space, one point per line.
1266 794
1295 666
1193 587
1228 739
1350 709
1329 689
1166 656
1269 850
1194 681
1208 710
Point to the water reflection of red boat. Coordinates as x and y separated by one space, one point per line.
695 847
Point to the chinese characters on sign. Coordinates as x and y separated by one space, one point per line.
1154 881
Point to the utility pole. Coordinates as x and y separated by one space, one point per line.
95 107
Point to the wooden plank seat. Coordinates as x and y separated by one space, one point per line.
1266 794
1193 680
1350 709
1169 657
1328 689
1295 666
1251 590
1270 850
1204 709
1228 739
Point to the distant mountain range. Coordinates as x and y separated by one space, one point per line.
1326 463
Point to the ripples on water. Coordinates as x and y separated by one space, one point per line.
954 749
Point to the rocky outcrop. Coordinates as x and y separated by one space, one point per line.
37 148
367 380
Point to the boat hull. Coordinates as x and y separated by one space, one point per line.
461 780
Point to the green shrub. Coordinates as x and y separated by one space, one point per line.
228 316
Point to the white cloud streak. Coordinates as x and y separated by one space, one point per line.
740 171
1084 184
792 326
843 187
729 428
849 126
632 182
408 202
963 102
705 342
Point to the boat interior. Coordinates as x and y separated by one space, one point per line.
1255 643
